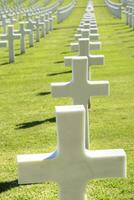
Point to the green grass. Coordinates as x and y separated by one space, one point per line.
27 110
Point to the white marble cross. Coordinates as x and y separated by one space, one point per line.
23 33
71 165
45 29
12 20
49 18
80 88
5 22
28 32
39 25
91 22
10 36
84 50
31 25
85 33
84 46
92 45
87 25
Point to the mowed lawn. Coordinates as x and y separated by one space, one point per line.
27 109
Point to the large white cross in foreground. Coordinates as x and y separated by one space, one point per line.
80 88
71 165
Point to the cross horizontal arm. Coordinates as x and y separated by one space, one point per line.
96 60
95 45
74 46
17 36
94 36
92 60
92 46
27 31
3 37
99 88
68 61
35 168
107 163
60 89
3 44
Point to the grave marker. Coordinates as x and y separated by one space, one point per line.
84 46
92 45
10 36
71 165
4 23
85 33
80 89
23 33
40 25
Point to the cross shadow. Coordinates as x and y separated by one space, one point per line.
131 47
5 186
59 73
43 93
68 45
81 7
100 6
59 62
34 123
65 52
67 27
121 27
18 54
5 63
112 24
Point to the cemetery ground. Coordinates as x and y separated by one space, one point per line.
27 109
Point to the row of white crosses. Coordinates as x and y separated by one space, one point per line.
20 11
3 3
7 21
71 165
87 31
41 25
38 24
29 15
130 16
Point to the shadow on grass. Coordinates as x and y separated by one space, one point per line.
131 47
43 93
5 186
100 6
19 54
112 24
5 63
65 52
34 123
121 27
59 73
67 27
59 62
